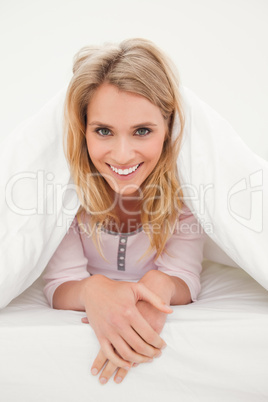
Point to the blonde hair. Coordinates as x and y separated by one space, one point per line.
140 67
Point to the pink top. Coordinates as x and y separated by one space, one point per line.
77 258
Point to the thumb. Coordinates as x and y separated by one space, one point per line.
143 293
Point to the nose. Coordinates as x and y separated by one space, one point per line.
123 151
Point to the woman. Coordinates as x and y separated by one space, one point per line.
132 224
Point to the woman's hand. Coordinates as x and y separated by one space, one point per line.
117 322
157 321
108 369
155 281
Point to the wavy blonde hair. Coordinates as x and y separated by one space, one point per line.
140 67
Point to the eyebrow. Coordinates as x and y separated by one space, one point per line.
98 123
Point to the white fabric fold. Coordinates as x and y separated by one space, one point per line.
225 186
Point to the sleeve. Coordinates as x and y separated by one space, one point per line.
68 263
184 254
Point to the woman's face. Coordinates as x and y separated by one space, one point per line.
125 135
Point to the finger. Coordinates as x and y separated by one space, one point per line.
143 293
146 332
121 354
130 355
120 375
98 363
134 348
110 354
109 370
85 320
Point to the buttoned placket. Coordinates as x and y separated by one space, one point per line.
121 253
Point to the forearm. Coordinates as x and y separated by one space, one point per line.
171 289
67 296
71 295
181 294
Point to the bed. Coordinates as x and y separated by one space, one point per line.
217 349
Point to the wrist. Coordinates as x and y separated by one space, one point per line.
171 289
88 285
160 283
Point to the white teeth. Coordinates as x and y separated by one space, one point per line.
125 171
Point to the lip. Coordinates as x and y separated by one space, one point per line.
124 177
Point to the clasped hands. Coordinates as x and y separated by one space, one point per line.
127 319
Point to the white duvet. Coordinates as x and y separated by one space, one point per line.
217 349
225 185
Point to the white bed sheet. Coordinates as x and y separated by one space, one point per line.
217 349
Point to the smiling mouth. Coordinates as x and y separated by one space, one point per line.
125 172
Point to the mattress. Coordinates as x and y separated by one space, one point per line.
217 349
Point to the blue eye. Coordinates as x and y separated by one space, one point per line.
142 132
104 132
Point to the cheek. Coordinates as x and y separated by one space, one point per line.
154 151
93 149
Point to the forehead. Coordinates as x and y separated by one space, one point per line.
111 103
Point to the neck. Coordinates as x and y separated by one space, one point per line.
127 204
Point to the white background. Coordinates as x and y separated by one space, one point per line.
219 46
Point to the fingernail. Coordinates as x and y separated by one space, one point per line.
118 379
126 367
158 355
136 364
103 380
164 346
94 371
150 360
168 307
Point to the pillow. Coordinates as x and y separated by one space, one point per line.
215 168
